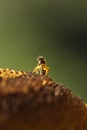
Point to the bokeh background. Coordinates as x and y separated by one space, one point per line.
56 29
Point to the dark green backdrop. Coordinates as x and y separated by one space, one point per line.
55 29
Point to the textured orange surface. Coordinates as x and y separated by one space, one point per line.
33 102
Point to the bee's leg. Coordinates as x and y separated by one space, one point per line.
46 72
35 70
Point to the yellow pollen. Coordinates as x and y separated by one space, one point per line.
10 73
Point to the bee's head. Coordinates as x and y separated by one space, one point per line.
41 60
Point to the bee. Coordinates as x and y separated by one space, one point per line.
41 68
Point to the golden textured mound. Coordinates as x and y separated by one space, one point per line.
10 73
33 102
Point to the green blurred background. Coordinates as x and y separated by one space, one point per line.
56 29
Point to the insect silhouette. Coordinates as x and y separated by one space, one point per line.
41 68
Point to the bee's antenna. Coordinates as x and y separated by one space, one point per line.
35 55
